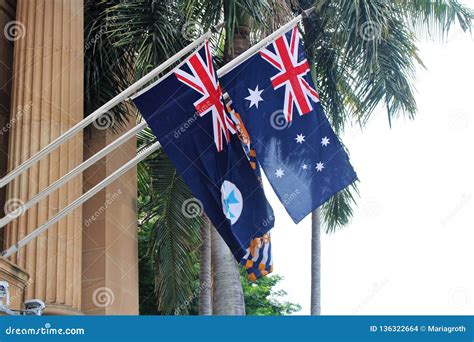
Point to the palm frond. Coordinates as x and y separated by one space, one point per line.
151 30
107 70
436 17
175 240
337 212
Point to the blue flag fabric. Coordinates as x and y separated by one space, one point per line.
258 259
302 157
187 114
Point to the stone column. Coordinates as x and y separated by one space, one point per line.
18 281
110 245
47 94
7 17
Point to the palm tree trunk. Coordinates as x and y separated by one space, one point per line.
240 43
228 296
316 263
205 294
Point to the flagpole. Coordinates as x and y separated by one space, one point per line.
104 108
79 201
254 49
73 173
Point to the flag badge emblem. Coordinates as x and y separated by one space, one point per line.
232 201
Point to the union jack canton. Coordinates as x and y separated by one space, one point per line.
301 155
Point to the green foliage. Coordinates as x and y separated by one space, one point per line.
107 69
261 298
173 238
148 298
436 17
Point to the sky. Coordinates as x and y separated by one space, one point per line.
410 246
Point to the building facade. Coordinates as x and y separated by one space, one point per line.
87 263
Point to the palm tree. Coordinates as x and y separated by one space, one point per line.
228 295
364 54
316 263
205 271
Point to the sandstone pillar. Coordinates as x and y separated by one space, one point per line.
110 245
47 93
18 281
7 17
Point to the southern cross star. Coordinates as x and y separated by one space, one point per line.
279 173
325 141
254 97
300 138
319 167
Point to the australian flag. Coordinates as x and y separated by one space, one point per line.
294 142
187 114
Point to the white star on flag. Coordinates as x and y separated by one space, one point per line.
254 97
304 167
325 141
300 138
279 173
319 167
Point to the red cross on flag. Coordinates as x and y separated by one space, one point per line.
291 74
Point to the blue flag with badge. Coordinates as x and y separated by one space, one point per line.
295 144
187 114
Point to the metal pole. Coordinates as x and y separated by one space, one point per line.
79 201
71 174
